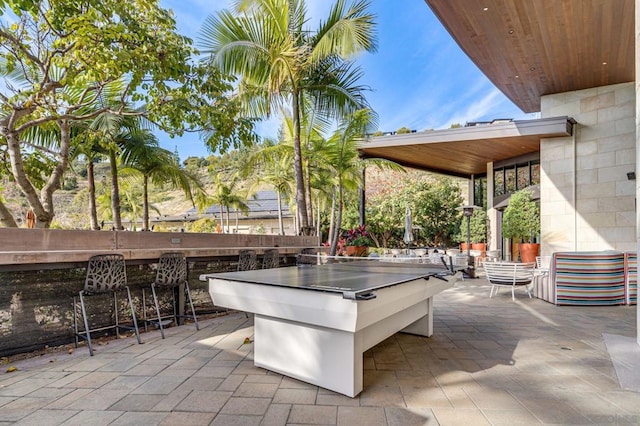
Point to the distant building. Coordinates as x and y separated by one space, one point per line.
262 216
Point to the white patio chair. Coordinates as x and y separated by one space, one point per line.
509 274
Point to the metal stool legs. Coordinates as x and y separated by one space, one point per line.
86 333
175 313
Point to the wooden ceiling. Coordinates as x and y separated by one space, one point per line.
530 48
466 151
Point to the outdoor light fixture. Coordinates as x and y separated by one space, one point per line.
467 211
631 175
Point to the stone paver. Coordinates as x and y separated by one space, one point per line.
490 361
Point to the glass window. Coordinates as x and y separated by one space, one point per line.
510 180
535 174
523 176
498 182
480 192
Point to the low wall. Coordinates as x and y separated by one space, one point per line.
49 248
42 270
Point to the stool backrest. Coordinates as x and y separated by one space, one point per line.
271 259
172 269
247 260
105 273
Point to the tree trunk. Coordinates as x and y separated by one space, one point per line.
145 203
280 221
45 217
301 201
115 191
6 218
332 217
335 236
43 205
91 182
310 215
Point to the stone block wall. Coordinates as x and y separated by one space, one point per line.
587 201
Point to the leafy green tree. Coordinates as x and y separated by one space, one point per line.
59 59
280 62
403 130
226 195
435 206
434 202
341 156
521 218
61 54
275 163
145 157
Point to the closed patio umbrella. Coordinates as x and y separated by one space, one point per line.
408 228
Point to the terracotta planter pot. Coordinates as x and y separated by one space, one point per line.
528 252
359 251
463 247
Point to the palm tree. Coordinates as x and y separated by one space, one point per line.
143 155
342 157
272 164
226 196
281 62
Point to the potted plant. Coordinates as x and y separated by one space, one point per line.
478 231
357 241
521 223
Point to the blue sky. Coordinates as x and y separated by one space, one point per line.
419 77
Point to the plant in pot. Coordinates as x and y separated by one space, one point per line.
357 241
521 223
478 231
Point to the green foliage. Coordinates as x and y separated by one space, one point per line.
70 183
403 130
68 63
521 218
477 227
202 225
358 237
378 133
281 62
434 203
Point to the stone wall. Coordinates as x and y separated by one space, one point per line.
587 201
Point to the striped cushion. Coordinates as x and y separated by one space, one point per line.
631 272
589 278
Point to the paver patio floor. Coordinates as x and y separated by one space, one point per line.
490 361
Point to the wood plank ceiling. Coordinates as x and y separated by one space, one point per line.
466 151
530 48
461 159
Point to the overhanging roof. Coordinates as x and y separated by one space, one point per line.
530 48
465 151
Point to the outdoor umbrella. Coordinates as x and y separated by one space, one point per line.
408 228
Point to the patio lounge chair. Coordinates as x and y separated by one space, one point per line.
509 274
